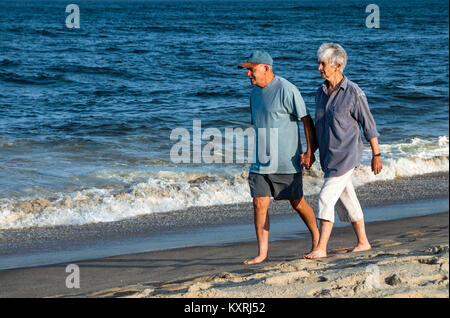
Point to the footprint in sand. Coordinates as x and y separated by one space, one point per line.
437 249
286 279
340 250
393 244
384 243
413 234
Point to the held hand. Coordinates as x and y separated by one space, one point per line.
376 165
311 160
307 159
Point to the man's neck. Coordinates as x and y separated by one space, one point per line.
268 79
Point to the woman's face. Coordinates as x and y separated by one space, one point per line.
327 70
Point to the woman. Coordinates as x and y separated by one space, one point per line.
341 108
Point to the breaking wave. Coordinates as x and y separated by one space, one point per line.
170 190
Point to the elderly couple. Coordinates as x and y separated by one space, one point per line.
341 108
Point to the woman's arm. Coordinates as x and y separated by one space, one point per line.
376 156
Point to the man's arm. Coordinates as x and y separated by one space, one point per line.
308 158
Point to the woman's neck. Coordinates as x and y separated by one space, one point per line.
335 80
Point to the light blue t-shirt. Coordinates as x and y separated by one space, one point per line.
276 111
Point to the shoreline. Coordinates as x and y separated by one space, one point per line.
217 271
217 225
283 227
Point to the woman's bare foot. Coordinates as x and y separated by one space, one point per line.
316 253
362 247
256 260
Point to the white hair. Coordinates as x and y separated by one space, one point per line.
333 53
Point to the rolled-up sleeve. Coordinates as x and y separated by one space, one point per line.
364 117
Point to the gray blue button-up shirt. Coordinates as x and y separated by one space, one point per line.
337 122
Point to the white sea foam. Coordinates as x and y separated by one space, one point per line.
169 190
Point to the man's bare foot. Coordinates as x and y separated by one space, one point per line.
362 247
314 245
316 253
256 260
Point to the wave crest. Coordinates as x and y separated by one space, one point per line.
168 190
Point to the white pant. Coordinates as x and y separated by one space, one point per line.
339 188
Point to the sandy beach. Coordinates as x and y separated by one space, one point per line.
410 263
409 259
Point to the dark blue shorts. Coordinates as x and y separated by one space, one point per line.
278 186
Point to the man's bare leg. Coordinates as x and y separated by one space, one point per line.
325 233
363 242
262 225
307 214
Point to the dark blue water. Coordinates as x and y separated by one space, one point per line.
105 97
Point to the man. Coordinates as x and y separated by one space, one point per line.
276 107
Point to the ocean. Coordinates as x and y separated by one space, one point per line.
86 113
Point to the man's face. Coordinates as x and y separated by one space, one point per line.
257 74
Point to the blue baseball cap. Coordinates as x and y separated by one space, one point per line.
257 57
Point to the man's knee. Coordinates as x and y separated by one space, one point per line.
299 203
261 203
